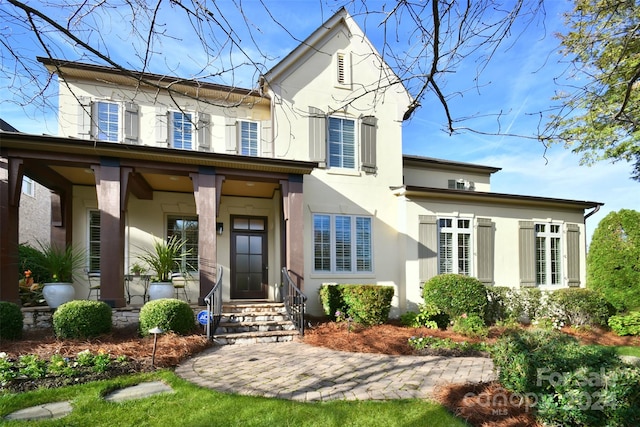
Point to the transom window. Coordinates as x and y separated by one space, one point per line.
94 240
181 130
186 228
548 254
248 138
342 143
342 243
454 246
107 120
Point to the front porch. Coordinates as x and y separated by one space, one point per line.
133 190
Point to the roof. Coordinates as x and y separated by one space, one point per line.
121 76
445 194
419 161
6 127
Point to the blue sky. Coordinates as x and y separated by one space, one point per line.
518 82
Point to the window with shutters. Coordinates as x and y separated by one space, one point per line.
106 118
94 240
181 130
342 244
186 228
249 138
341 135
548 252
454 246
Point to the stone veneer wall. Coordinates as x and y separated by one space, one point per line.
40 317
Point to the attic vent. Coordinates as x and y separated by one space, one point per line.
341 69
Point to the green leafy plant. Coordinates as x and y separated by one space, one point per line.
455 295
11 320
471 326
626 324
420 343
165 257
31 366
579 306
368 304
60 263
82 319
612 261
168 314
331 299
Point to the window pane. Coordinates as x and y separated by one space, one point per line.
249 138
185 228
343 243
94 241
321 243
541 261
464 254
107 122
446 253
181 133
555 261
363 244
341 143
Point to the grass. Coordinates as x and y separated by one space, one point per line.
628 351
195 406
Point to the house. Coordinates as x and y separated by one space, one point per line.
304 172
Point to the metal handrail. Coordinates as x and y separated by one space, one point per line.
214 305
294 301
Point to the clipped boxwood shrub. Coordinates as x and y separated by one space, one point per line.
455 295
579 306
331 299
626 325
368 304
82 319
168 314
11 321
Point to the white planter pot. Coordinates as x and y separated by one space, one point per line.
56 294
158 290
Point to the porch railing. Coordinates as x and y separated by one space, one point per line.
294 300
214 305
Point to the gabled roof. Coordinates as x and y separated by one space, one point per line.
6 127
341 17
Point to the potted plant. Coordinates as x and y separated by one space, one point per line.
137 269
164 259
60 264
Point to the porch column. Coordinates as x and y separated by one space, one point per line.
206 191
292 207
111 188
10 190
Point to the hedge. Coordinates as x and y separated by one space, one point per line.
365 304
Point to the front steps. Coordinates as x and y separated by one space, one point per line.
254 322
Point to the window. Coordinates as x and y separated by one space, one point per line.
186 228
548 254
342 147
248 138
342 243
106 117
181 130
94 240
454 246
28 186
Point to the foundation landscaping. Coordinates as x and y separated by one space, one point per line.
562 358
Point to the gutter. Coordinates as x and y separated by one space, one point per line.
595 210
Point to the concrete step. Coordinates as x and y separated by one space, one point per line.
255 326
248 317
253 307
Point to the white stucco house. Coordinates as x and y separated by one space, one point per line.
305 171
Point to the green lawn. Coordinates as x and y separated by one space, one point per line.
195 406
628 351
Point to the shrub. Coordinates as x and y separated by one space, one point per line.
331 299
11 320
498 307
368 304
471 326
168 314
525 303
522 358
30 258
455 295
579 306
82 319
429 316
613 258
626 325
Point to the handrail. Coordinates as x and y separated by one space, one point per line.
214 305
294 301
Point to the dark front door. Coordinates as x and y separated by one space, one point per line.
249 258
